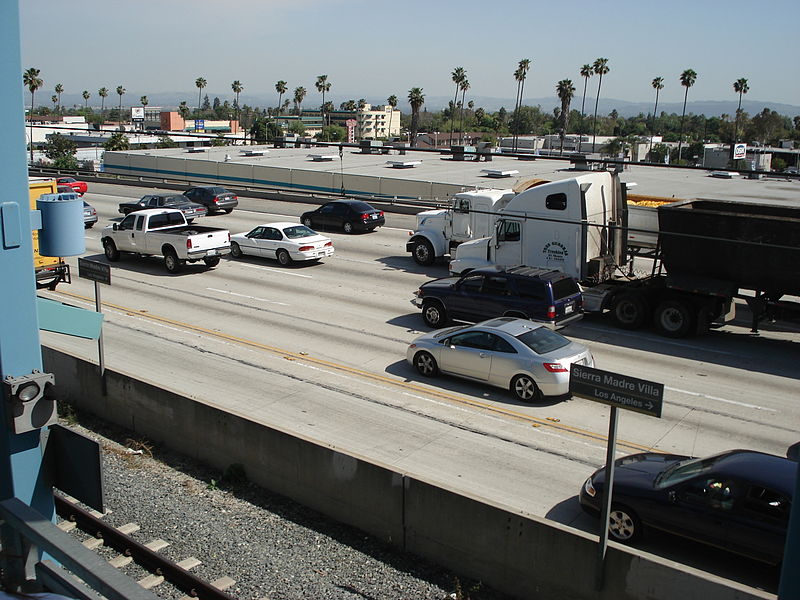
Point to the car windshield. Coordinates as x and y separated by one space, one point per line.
298 231
686 469
563 288
542 340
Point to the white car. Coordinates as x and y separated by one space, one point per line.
285 242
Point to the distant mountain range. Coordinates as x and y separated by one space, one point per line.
709 108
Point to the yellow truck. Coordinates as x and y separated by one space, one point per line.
50 270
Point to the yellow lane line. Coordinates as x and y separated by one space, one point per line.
372 376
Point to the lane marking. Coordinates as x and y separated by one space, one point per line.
658 340
248 297
718 399
281 271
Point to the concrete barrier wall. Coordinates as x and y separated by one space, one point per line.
519 554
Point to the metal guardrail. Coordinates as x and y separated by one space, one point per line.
26 534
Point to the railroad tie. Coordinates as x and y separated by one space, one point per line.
66 526
189 563
151 581
156 545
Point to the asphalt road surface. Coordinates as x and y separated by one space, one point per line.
320 350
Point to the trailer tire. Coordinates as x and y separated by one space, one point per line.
629 311
423 253
674 318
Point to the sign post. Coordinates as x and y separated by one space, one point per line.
99 273
618 391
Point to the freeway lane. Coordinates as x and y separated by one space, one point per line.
319 350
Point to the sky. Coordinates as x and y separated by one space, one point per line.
373 49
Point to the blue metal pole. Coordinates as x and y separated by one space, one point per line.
21 473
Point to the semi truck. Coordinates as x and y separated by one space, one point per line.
49 270
679 266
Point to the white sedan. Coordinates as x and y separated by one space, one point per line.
285 242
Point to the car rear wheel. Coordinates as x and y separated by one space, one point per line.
426 364
211 261
623 524
110 249
283 257
434 314
236 250
525 389
171 262
348 227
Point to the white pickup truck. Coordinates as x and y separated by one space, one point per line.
165 232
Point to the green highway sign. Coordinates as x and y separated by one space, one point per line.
616 390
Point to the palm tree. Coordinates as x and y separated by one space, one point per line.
86 95
200 83
183 109
391 101
237 88
600 67
322 86
740 87
586 72
688 77
520 75
458 75
59 90
33 82
299 96
54 100
120 91
416 99
103 93
281 88
565 91
463 86
658 85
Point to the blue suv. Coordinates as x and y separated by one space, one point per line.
544 295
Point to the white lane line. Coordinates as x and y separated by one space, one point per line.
248 297
718 399
282 272
660 340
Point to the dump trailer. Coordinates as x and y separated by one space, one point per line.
679 265
50 270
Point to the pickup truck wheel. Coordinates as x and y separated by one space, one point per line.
629 311
236 250
171 262
110 249
423 253
211 261
674 318
283 257
524 388
348 227
434 314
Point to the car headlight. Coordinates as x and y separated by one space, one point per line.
589 488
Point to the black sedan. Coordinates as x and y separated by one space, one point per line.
190 210
348 215
215 198
738 501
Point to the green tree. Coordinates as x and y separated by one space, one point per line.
519 75
144 101
200 83
565 91
120 91
86 95
59 89
281 88
416 98
687 79
118 141
323 86
220 140
237 88
740 87
332 133
299 96
298 127
600 67
458 75
463 86
103 93
391 101
586 72
61 150
33 82
54 100
658 85
164 141
183 109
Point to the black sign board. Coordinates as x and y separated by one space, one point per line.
617 390
96 271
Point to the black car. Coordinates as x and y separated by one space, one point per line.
349 215
737 501
215 198
190 210
544 295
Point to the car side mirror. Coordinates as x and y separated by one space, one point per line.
114 226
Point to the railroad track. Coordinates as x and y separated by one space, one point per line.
146 555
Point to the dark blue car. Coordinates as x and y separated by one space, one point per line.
738 501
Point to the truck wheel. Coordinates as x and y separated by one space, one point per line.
423 253
236 250
434 314
283 257
674 318
171 262
211 261
629 311
110 249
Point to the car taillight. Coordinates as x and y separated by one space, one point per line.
551 312
329 244
188 243
235 198
555 367
216 199
380 214
364 216
305 248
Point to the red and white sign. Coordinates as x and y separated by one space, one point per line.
739 151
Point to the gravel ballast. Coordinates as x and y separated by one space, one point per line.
272 547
